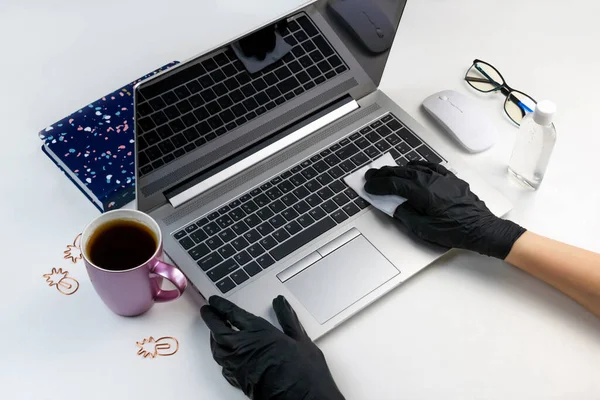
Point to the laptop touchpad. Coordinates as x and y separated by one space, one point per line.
334 280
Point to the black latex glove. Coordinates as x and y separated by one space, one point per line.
441 209
263 361
260 43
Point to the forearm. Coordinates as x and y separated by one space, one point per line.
573 271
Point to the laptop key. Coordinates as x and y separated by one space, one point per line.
281 235
383 146
265 213
313 185
314 200
350 193
199 236
325 179
268 243
317 213
341 199
242 258
402 162
336 172
298 179
265 261
186 243
222 270
293 228
361 203
214 242
363 143
302 238
226 251
339 216
289 199
290 214
255 250
338 186
332 160
409 138
252 220
239 276
301 207
306 220
252 236
360 159
277 221
428 154
351 209
325 193
210 261
224 221
240 243
249 207
226 285
403 148
277 206
227 235
237 214
252 269
288 84
274 193
383 131
301 192
413 156
212 229
286 186
329 206
372 152
347 166
179 235
394 125
393 139
265 228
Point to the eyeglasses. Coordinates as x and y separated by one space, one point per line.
485 78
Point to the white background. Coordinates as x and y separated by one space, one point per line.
466 328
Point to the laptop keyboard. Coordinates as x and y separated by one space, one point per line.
245 237
208 99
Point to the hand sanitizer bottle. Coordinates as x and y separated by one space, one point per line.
534 145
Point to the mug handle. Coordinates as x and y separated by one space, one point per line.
173 275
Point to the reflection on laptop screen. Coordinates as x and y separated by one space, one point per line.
192 120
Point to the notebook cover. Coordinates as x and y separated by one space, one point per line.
96 144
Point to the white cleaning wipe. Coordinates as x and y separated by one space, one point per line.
356 181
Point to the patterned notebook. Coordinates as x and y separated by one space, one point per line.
94 147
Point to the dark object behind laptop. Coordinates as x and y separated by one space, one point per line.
366 22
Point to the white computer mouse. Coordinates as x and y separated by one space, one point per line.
463 118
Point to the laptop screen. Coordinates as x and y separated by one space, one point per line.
214 109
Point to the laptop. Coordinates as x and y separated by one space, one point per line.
244 171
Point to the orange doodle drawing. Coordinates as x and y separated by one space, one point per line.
73 251
63 282
163 346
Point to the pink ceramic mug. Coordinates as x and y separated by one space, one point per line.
133 291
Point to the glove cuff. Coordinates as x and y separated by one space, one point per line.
503 235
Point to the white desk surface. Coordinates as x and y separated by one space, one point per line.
465 328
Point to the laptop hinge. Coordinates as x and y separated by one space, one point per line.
262 154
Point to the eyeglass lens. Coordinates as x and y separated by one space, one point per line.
484 77
517 105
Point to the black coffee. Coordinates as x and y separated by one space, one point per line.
121 245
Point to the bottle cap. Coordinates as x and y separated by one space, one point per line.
544 112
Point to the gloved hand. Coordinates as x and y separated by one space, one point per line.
263 361
441 209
